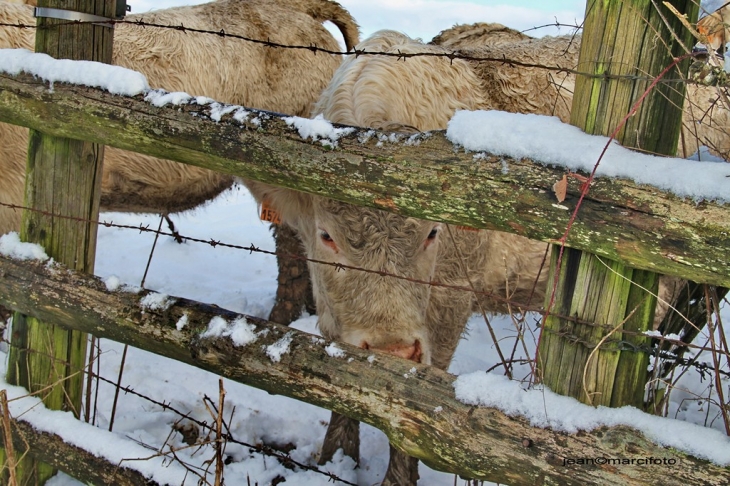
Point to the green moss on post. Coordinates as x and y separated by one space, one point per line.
63 177
597 363
631 38
597 291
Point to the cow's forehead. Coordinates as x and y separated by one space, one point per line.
344 215
360 231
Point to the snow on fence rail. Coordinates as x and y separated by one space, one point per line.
419 411
426 177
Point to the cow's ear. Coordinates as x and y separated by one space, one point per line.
281 205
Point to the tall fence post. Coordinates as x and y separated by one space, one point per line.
63 178
599 364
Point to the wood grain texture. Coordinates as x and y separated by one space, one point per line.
473 442
640 226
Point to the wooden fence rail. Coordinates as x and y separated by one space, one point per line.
474 442
640 226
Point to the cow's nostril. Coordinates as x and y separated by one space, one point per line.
417 354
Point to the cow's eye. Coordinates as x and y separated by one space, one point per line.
327 239
431 237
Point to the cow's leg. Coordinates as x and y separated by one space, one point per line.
669 290
342 433
4 319
294 292
402 469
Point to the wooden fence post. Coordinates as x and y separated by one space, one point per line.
63 177
633 38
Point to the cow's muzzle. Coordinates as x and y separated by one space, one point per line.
411 352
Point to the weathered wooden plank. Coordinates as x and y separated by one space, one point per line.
473 442
640 226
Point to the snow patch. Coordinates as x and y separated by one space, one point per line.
12 247
160 98
114 79
114 284
240 331
569 415
659 335
549 141
333 350
182 322
318 129
279 348
654 334
156 302
204 100
241 115
218 111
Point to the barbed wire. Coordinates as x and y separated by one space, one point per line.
251 249
557 25
399 55
254 249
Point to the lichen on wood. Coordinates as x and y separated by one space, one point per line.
474 442
640 226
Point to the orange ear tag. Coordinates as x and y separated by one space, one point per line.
268 213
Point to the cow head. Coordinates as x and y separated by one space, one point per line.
365 305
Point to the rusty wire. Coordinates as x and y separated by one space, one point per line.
342 267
